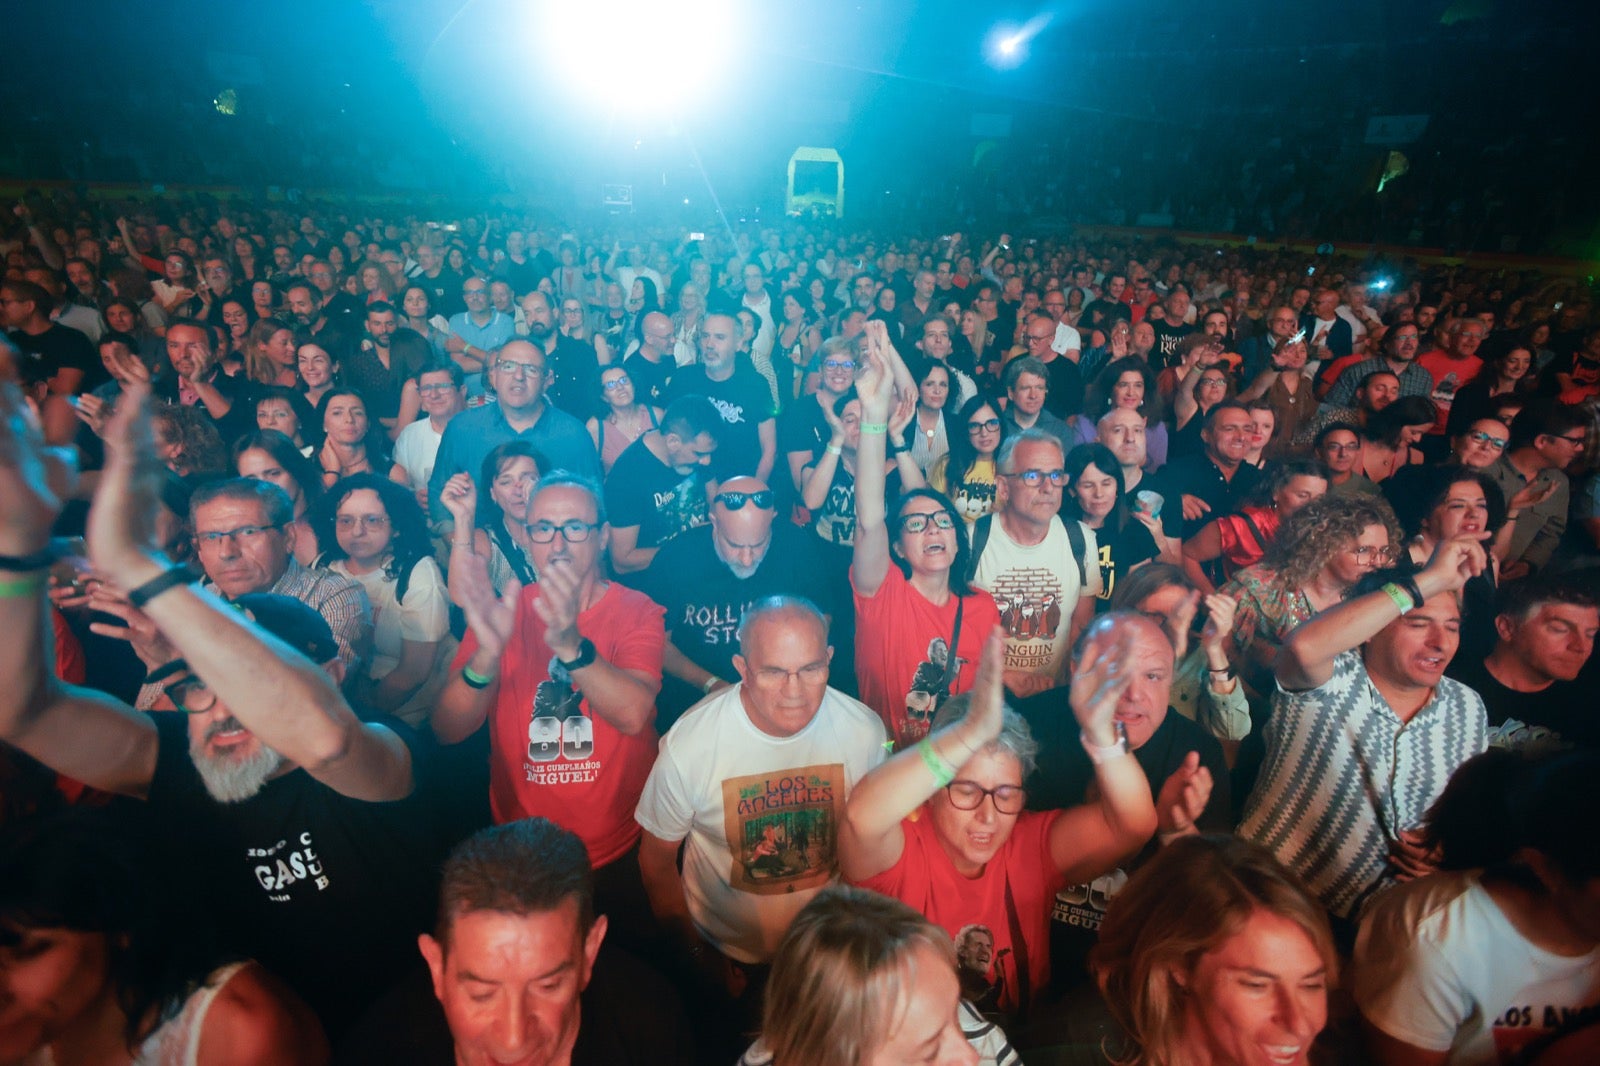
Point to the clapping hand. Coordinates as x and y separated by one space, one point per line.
1183 797
1220 611
460 497
491 617
1103 672
560 593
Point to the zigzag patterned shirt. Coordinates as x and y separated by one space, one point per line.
1343 775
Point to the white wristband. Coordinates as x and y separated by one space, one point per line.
1115 750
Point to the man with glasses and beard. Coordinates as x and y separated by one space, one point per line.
574 369
296 828
707 577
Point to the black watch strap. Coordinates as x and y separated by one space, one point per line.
586 656
42 559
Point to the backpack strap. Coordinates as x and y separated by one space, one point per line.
1080 549
980 539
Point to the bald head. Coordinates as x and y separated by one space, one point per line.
742 535
777 616
657 332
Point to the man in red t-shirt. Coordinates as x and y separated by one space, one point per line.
1453 365
566 672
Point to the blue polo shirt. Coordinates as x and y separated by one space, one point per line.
477 431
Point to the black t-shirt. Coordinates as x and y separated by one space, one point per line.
1198 476
525 276
58 348
1561 716
803 427
1120 551
650 380
444 292
705 601
574 379
744 401
327 892
1165 353
1063 779
643 491
1100 314
1065 395
629 1016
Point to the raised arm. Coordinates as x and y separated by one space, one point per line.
875 386
1306 658
871 839
1087 841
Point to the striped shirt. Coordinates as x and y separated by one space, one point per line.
1344 775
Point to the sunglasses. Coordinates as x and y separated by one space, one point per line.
734 501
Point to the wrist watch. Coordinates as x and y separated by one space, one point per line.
1114 750
586 656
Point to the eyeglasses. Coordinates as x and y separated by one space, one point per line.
968 796
191 695
617 383
776 677
918 521
988 425
240 533
436 388
521 370
1485 438
369 522
1034 478
1364 552
573 532
735 501
1578 441
838 364
1329 446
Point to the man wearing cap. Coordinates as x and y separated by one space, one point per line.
296 827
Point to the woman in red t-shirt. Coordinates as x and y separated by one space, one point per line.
919 625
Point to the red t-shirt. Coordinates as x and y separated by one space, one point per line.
550 755
902 646
1448 375
925 880
1241 547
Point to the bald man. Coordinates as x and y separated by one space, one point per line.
706 577
652 365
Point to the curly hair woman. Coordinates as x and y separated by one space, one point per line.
1320 552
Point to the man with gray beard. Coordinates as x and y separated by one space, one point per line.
706 577
295 827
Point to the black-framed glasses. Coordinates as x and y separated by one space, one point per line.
191 695
968 796
240 533
617 382
1481 437
733 501
436 388
572 531
1034 478
1578 440
988 425
838 364
918 521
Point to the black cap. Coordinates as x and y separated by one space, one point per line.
292 622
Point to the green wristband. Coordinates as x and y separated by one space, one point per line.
20 587
1401 598
475 679
874 427
943 772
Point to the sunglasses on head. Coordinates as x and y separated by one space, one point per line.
733 501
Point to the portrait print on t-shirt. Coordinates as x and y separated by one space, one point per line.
1029 599
982 982
783 826
928 691
558 729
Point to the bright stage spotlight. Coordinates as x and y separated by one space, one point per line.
640 56
1007 44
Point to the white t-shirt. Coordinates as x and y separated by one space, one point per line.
761 813
415 450
1067 340
1036 589
1438 965
424 617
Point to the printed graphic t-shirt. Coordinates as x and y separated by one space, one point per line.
903 648
550 755
976 911
761 813
1036 589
